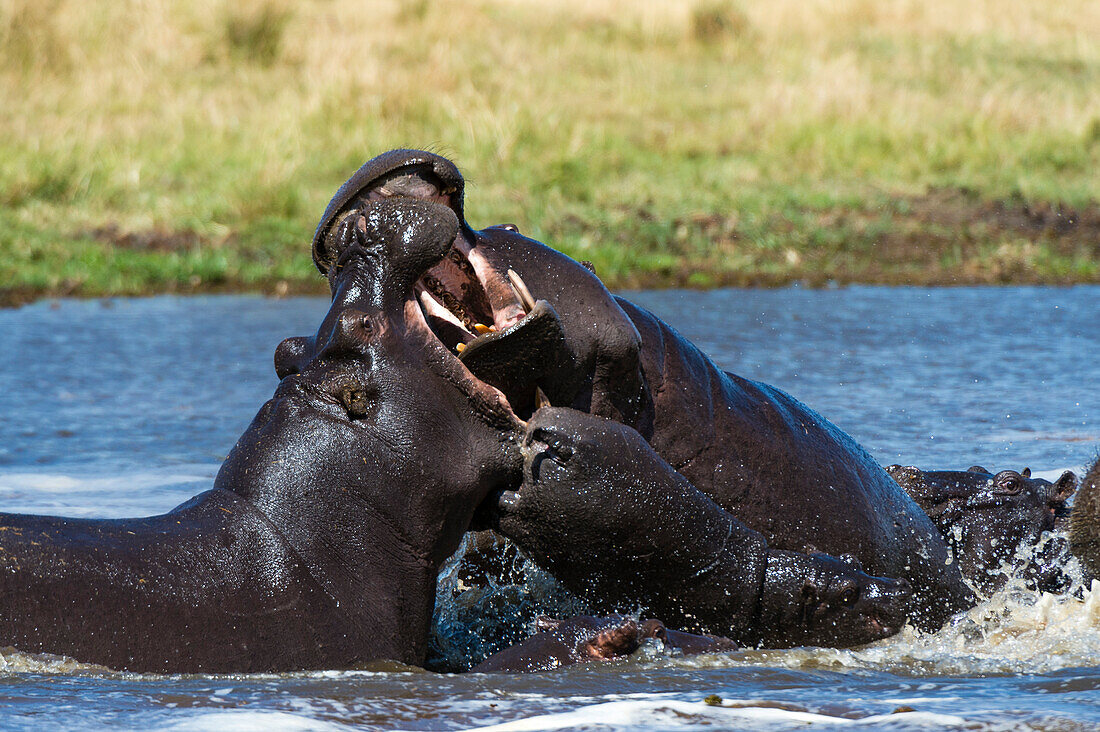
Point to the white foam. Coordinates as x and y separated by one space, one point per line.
14 662
744 715
1015 631
234 720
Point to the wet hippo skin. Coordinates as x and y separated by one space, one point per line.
1084 524
320 542
769 460
986 518
616 525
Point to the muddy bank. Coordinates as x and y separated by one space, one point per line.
948 236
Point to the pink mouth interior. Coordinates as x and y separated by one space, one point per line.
460 299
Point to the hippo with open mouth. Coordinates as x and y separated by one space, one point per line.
542 329
321 540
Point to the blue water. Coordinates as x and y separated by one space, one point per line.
127 407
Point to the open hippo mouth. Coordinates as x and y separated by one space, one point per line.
486 319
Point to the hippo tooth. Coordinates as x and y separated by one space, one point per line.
541 400
521 290
460 347
519 298
482 329
436 309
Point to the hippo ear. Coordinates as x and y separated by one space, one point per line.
977 469
1026 472
1063 488
292 355
903 474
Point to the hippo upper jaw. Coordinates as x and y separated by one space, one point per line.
482 314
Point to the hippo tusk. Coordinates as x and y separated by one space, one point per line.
522 293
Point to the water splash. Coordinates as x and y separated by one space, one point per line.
473 622
16 662
1015 630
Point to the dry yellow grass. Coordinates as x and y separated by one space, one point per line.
237 120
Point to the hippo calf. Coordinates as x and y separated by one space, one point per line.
587 639
985 518
615 524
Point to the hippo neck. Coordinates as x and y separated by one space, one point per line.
375 577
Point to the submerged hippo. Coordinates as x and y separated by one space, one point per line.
587 639
985 519
320 542
618 526
761 455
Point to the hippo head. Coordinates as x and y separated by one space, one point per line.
986 517
488 299
820 600
378 444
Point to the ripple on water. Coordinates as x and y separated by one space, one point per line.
991 376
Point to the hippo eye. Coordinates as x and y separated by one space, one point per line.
1008 483
849 596
555 445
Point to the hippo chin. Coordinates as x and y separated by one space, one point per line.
779 467
320 542
986 519
593 488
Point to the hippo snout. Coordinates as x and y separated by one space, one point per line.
887 603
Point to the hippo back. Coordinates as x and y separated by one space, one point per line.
785 470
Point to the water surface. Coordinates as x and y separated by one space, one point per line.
127 407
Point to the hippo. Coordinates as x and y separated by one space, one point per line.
1084 521
986 518
320 542
764 457
587 639
595 488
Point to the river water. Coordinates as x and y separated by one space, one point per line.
126 407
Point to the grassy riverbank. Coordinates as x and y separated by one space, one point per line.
161 146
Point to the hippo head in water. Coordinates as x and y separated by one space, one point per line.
385 427
986 518
601 510
586 639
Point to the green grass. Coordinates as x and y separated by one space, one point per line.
669 143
